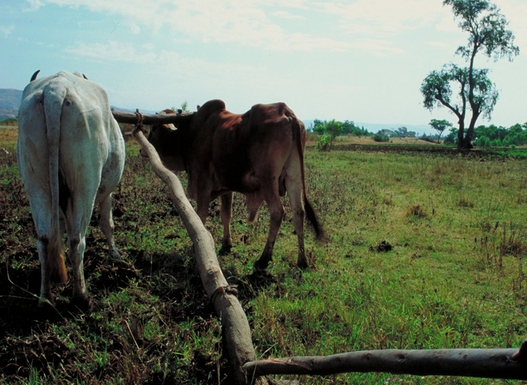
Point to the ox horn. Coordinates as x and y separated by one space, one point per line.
168 125
34 76
81 75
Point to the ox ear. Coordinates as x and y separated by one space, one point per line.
34 76
171 126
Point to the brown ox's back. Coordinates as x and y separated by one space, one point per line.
259 154
247 151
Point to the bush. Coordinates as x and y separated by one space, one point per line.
482 142
450 138
381 137
325 142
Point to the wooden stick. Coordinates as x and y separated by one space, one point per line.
130 118
484 363
235 327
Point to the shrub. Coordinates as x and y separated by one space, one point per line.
325 142
381 137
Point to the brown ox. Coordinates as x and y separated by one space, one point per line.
259 154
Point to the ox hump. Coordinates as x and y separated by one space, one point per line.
212 106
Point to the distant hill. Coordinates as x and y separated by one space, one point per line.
9 102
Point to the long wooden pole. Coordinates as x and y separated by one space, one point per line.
130 118
484 363
235 327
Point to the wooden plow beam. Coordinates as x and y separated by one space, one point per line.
235 327
484 363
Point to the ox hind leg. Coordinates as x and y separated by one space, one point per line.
293 185
276 210
226 215
52 265
107 225
49 246
78 215
77 246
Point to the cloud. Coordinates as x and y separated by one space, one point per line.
377 26
134 28
162 61
382 17
114 51
287 15
6 30
253 23
34 5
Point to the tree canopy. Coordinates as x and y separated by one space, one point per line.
475 92
440 126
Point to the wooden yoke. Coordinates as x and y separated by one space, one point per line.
148 119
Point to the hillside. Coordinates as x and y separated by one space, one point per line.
9 102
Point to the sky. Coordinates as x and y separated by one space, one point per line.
357 60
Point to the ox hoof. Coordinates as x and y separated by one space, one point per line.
115 255
82 302
225 250
45 303
302 264
260 265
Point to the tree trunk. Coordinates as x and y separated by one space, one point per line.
464 139
470 131
464 144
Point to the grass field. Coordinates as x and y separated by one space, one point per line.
425 251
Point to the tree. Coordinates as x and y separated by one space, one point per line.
328 132
383 135
319 127
334 128
500 136
488 33
440 126
182 109
401 132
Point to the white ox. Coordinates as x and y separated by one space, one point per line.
71 156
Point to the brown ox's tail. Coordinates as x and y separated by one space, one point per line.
299 133
312 217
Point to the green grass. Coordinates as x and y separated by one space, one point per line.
454 277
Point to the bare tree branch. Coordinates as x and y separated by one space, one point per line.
485 363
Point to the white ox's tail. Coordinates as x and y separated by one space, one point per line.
54 98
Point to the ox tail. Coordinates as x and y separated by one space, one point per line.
299 137
53 101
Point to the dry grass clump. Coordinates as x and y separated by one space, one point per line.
416 211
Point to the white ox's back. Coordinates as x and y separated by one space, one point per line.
70 156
